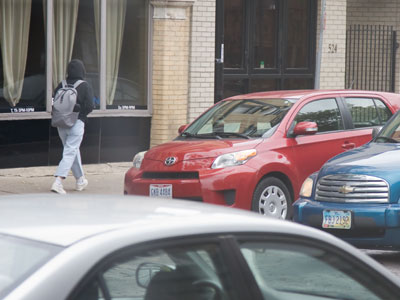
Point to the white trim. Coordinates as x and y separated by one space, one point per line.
173 3
103 57
49 57
119 113
173 13
94 114
171 9
149 60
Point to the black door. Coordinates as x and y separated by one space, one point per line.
264 45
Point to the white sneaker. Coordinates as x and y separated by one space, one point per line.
58 188
81 184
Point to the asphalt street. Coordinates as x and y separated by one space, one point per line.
103 179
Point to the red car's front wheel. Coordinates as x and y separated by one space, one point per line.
271 198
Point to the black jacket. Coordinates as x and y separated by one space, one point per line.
76 71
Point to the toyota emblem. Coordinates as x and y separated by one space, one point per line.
169 161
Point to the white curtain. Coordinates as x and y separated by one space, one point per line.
15 16
65 14
116 11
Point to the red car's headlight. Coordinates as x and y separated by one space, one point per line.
233 159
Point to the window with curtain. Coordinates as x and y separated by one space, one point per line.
79 31
85 45
76 34
126 56
23 56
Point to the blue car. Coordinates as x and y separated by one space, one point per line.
356 194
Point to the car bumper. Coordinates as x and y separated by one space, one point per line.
229 186
373 225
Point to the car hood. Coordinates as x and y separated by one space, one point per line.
375 159
199 149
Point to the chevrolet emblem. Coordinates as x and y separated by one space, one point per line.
345 189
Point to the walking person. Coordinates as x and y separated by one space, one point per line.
72 137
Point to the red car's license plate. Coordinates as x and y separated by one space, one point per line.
161 190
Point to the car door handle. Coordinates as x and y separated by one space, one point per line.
348 145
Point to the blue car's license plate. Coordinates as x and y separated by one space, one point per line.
337 219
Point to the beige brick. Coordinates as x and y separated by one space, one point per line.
170 77
334 34
202 58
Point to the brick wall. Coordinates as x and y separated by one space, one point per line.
202 56
333 59
384 12
170 68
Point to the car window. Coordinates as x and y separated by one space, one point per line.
383 111
391 132
293 271
19 258
367 112
246 117
324 112
169 273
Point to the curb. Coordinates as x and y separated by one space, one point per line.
47 171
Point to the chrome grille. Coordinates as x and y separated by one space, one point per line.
352 189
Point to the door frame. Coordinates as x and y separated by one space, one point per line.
281 73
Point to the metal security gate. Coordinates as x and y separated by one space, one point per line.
371 57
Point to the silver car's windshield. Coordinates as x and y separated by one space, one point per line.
19 258
247 118
391 132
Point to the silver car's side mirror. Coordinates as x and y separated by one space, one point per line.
146 271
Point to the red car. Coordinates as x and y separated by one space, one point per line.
254 151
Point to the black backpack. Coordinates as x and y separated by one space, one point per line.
62 114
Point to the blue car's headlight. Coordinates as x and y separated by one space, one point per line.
306 188
308 185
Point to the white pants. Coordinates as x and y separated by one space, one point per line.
71 160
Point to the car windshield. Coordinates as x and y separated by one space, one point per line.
19 258
246 118
391 132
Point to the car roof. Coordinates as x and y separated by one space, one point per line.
66 219
95 225
298 94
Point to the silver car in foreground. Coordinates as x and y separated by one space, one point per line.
124 247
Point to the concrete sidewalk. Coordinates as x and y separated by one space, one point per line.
103 179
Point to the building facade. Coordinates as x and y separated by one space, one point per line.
157 64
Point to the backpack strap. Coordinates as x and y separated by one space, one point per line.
77 83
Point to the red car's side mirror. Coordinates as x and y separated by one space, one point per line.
305 128
182 128
375 131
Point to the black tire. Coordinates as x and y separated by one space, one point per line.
271 198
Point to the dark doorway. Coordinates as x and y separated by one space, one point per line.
264 45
